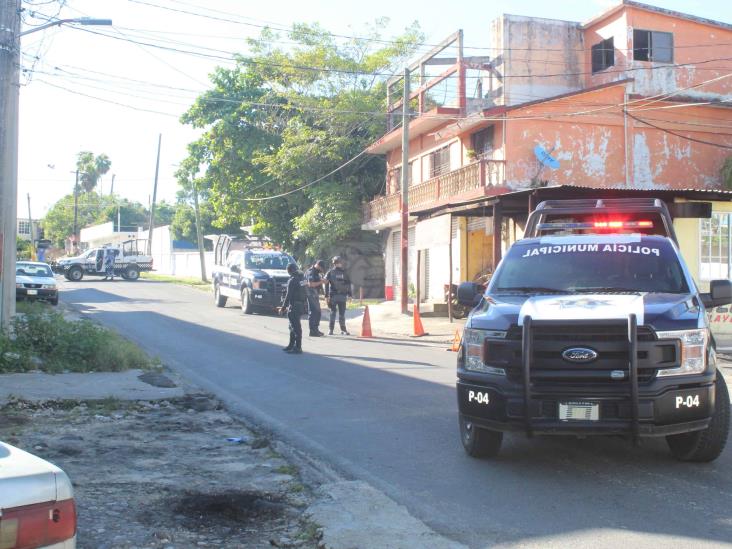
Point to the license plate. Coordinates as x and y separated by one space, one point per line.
32 292
579 411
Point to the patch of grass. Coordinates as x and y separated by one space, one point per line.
311 532
286 470
184 280
42 339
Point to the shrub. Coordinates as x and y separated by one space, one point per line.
42 339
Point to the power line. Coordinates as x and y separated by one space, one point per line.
695 140
282 27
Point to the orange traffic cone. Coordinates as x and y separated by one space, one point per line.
418 328
456 341
366 324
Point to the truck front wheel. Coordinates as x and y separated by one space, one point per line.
706 445
478 442
246 302
75 273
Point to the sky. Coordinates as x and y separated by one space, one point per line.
91 88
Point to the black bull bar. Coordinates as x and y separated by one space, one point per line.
527 357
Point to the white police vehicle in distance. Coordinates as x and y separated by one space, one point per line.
593 326
37 507
129 262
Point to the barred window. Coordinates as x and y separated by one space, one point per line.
715 247
440 162
24 227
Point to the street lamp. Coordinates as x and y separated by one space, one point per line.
76 20
10 34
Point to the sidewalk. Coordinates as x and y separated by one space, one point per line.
387 321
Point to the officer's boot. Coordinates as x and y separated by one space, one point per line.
297 349
291 345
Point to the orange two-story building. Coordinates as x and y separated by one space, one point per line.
638 100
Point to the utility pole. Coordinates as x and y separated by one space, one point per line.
10 11
9 90
154 196
199 234
30 226
111 188
76 212
404 283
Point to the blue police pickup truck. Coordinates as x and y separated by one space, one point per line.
592 325
249 273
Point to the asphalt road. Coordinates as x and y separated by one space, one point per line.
385 412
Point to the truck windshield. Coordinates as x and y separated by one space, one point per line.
591 264
267 261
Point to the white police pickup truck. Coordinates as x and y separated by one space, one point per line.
593 326
36 503
129 262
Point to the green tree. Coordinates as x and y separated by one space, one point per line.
22 248
93 209
91 168
273 127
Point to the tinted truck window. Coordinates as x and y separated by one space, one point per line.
585 263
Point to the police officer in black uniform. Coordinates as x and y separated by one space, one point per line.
294 304
315 281
337 292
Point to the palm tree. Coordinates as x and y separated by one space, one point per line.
91 168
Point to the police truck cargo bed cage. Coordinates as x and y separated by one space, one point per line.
616 215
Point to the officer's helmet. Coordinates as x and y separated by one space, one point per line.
337 260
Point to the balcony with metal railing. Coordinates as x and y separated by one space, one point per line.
471 181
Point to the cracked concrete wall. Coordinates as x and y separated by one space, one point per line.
534 48
590 144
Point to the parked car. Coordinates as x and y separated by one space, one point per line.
36 503
34 280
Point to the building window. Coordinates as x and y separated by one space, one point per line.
24 227
603 55
483 141
653 46
715 247
440 162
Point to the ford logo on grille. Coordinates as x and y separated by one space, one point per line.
579 355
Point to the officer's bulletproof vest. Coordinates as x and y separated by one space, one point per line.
299 293
340 281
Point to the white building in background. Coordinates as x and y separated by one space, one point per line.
104 235
27 228
176 257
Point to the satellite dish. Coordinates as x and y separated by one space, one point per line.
545 158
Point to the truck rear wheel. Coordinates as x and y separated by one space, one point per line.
706 445
219 299
478 442
75 273
132 272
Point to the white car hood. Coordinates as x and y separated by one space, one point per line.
35 279
26 479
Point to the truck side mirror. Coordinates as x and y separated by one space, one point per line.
235 269
469 294
720 293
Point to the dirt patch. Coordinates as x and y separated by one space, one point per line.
175 474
